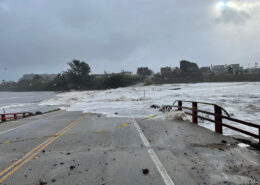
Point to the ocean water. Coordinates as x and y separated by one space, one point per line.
12 102
241 100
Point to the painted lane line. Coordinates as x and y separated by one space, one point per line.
165 176
149 117
141 134
15 166
31 156
24 157
167 179
46 143
9 130
29 153
123 125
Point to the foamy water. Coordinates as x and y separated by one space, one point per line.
11 102
241 100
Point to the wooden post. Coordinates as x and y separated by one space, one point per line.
194 112
218 119
3 117
179 105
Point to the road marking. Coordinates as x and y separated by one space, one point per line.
97 131
100 130
126 124
24 157
149 117
18 164
165 176
9 130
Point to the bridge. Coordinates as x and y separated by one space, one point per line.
72 148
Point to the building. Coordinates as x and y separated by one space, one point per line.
43 77
234 69
255 70
205 70
166 71
219 69
123 72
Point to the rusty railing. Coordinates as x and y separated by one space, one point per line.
218 117
13 116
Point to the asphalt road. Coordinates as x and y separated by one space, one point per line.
71 148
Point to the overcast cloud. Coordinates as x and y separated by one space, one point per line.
41 36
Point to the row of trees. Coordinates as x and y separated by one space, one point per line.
76 77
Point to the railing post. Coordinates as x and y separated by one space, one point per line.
179 105
259 134
15 116
194 112
218 119
3 117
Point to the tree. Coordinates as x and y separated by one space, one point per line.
79 71
188 67
144 72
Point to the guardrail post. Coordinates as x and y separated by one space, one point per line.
3 118
218 119
179 105
194 112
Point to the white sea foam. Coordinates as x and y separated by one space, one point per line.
177 115
241 100
12 106
242 145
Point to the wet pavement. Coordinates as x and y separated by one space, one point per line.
75 148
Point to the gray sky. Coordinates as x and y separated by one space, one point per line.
42 36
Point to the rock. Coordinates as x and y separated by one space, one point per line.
145 171
42 182
72 167
38 112
166 108
116 112
155 106
53 180
223 141
68 153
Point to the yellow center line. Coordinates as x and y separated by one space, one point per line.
24 157
149 117
37 149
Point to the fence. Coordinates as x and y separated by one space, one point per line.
14 116
218 117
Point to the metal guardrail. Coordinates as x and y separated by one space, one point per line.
11 116
218 117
